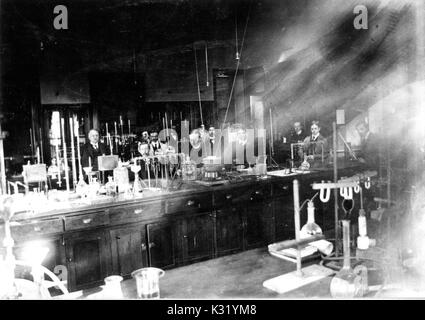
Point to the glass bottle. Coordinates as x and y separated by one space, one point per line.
111 189
310 228
94 187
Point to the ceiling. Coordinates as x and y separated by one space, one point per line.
101 30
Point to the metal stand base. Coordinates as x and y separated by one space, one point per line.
291 281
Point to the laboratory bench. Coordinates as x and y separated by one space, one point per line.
188 223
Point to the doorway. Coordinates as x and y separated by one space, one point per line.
56 126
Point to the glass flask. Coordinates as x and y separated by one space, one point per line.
81 188
310 228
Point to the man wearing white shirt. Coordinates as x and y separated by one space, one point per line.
315 145
154 143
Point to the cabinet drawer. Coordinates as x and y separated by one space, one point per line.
135 213
35 228
184 204
86 221
241 195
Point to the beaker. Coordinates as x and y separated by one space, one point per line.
147 282
112 289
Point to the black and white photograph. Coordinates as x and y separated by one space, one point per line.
224 151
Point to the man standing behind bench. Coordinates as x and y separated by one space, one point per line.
92 149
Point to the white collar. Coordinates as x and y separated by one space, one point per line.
315 136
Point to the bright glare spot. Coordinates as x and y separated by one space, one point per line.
35 252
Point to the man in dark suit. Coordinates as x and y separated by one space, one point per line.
315 145
154 143
92 149
368 154
297 136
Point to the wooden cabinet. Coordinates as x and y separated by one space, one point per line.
229 231
283 215
161 242
196 237
169 232
128 249
257 222
88 258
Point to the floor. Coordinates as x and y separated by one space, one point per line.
238 276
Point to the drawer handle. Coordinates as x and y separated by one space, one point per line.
138 211
190 203
285 187
86 221
229 196
37 229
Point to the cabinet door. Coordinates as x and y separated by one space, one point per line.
229 231
283 213
161 245
128 248
257 222
197 238
88 256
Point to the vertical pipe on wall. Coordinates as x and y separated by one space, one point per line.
335 167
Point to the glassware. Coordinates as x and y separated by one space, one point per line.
94 187
349 283
147 282
111 187
310 228
112 289
189 170
137 186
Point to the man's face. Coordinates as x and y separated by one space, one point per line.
154 136
211 132
145 135
315 129
297 127
94 137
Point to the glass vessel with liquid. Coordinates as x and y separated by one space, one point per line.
310 228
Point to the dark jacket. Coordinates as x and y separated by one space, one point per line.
294 138
316 148
89 151
154 148
369 151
